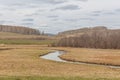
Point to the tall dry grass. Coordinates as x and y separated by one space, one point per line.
23 60
93 56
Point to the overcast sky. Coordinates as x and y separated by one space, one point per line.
53 16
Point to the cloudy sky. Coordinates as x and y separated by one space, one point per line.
53 16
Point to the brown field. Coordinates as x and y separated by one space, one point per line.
23 60
97 56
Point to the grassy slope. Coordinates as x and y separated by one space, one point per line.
8 35
13 38
78 32
28 42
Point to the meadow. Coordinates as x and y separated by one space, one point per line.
20 39
27 42
23 62
95 56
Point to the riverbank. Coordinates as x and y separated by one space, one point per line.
57 56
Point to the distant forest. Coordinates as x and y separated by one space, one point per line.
93 38
19 29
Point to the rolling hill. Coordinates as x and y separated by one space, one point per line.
22 35
77 32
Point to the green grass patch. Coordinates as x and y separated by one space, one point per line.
52 78
27 42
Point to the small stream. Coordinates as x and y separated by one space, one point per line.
54 56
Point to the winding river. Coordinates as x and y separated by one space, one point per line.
54 56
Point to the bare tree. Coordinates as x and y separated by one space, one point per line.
94 39
19 29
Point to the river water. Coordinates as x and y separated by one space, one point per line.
54 56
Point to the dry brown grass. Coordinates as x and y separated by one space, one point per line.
99 56
23 60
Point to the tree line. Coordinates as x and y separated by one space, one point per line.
19 29
105 39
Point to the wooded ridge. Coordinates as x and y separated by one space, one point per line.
93 38
19 29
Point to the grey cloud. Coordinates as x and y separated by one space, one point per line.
9 8
44 26
32 1
55 19
23 5
68 7
40 10
83 0
54 1
48 1
18 4
1 22
36 13
5 21
109 13
117 25
95 14
53 16
86 19
118 10
71 20
33 14
28 24
28 19
1 14
97 11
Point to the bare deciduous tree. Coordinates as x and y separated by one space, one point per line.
19 29
94 39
